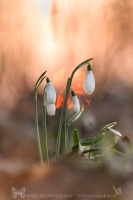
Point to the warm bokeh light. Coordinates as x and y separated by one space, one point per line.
88 101
53 35
83 107
60 100
69 103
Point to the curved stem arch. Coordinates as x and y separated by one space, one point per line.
63 113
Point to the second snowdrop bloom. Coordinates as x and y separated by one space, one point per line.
75 101
114 132
50 91
50 108
89 82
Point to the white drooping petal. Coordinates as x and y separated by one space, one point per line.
89 82
115 132
51 94
76 104
50 109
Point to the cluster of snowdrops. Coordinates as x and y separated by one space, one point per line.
49 100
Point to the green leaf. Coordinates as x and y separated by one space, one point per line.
74 118
75 137
91 150
88 141
44 96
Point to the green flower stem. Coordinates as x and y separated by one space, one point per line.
65 109
67 127
45 130
65 133
63 113
37 129
66 141
40 79
62 118
79 66
70 122
69 87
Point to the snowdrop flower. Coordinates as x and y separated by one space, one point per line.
50 91
50 108
89 82
114 132
75 101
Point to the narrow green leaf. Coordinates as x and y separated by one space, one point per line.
45 128
74 118
91 150
75 147
75 137
88 141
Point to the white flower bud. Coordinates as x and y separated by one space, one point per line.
89 82
50 91
50 108
81 148
76 104
75 101
114 132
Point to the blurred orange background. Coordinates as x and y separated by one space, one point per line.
56 36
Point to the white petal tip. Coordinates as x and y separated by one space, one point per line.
115 132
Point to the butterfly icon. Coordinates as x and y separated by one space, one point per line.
16 193
117 191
